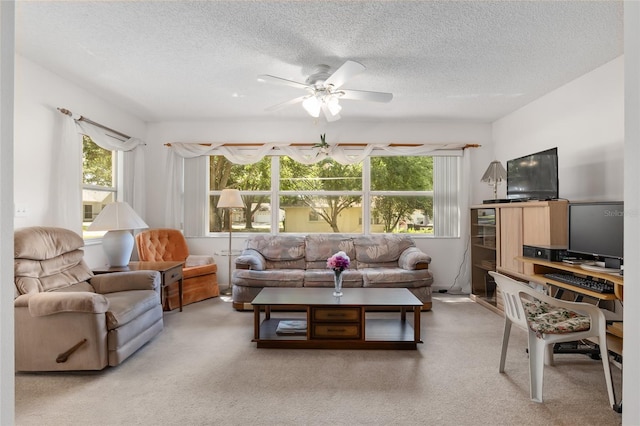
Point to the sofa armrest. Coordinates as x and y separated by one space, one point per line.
251 259
413 258
198 260
123 281
49 303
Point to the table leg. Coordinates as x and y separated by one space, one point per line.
256 322
403 314
180 292
416 324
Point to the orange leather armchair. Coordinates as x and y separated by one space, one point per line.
200 272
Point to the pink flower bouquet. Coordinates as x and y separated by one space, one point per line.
338 262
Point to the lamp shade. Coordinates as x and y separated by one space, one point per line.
229 199
117 216
495 173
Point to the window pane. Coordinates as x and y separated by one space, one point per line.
97 164
256 218
252 177
327 175
334 214
401 173
93 201
392 214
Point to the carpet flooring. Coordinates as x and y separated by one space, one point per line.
203 369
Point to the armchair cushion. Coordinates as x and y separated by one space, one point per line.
198 260
123 281
196 271
42 304
125 306
543 318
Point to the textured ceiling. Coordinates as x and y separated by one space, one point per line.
442 60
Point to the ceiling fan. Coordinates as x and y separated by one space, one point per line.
324 90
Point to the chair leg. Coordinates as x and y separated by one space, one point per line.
606 365
537 348
505 343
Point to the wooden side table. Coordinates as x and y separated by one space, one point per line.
170 272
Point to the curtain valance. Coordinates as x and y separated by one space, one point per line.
351 153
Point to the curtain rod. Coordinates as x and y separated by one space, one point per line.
469 145
67 112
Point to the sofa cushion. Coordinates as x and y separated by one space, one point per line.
272 278
324 278
280 252
320 247
395 277
196 271
380 250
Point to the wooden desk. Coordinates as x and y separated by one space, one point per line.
170 272
541 267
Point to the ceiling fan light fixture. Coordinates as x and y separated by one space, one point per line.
334 105
312 105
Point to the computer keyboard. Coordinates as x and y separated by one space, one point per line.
585 283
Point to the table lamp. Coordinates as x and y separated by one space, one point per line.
230 199
118 219
494 175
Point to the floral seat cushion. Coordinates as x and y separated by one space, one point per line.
544 318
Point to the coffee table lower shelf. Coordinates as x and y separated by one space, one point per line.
381 333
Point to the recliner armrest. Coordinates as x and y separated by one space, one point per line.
123 281
413 258
251 259
49 303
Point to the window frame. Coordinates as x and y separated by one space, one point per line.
365 193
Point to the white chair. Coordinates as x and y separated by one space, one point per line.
548 321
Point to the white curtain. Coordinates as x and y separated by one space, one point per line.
249 154
66 178
66 172
195 197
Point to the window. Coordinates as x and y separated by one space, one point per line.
385 194
98 182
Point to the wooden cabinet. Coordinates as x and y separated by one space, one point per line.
535 223
483 252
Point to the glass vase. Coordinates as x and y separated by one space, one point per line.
337 284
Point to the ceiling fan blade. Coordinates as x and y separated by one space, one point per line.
327 114
273 79
344 73
363 95
286 103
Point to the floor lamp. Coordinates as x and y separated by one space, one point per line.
230 199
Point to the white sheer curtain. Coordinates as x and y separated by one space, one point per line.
66 172
66 178
249 154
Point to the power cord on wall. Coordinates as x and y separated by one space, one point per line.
464 257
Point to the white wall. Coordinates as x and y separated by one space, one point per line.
38 92
585 120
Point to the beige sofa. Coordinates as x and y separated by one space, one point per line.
68 319
386 260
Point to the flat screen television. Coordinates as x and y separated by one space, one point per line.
533 177
596 231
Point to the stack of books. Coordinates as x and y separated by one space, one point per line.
292 327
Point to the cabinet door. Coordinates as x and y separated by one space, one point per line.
510 238
536 228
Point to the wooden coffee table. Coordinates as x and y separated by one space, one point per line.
345 322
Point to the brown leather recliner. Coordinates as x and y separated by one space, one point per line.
199 271
68 319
